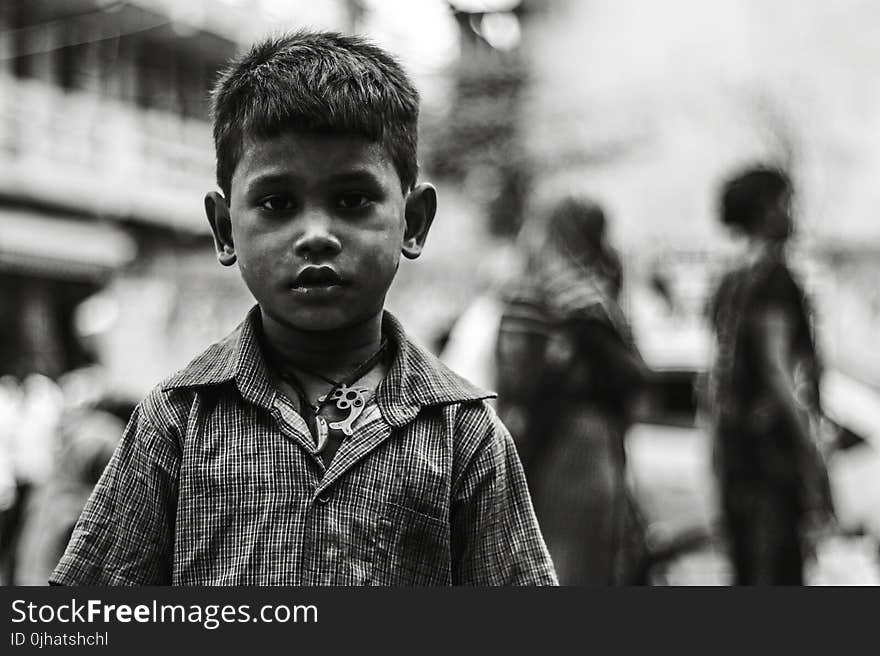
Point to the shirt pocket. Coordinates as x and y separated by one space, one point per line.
413 549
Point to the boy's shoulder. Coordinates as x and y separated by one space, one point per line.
215 365
417 379
419 386
218 364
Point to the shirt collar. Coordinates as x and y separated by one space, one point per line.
236 358
415 378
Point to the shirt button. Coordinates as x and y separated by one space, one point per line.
324 498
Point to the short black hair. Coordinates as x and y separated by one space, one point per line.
746 195
315 82
576 222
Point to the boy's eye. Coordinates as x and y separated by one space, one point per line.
353 200
276 203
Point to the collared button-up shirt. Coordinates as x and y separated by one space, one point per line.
216 481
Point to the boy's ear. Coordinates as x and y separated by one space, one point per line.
421 206
217 211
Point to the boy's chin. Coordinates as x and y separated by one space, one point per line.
324 320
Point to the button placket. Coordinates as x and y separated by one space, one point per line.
294 426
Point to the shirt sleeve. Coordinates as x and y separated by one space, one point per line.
125 533
495 535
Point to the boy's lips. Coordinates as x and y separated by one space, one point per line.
317 277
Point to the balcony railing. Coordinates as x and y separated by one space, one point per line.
98 155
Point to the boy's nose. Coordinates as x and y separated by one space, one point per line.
317 239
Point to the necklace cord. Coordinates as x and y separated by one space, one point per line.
347 381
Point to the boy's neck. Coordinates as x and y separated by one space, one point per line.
333 354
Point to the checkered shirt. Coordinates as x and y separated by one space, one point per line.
216 481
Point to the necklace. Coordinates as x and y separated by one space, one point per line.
344 393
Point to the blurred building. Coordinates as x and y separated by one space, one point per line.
105 156
479 144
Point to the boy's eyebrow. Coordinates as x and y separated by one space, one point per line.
270 179
346 177
357 175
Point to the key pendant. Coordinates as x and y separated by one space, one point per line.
321 425
352 399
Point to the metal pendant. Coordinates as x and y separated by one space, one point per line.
353 399
323 433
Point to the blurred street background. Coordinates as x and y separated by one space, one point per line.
108 279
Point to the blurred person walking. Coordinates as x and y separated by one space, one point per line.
764 390
568 375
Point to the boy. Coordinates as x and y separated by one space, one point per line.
316 445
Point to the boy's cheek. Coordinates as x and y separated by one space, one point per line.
382 256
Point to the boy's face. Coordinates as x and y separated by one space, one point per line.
317 223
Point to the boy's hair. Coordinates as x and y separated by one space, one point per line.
572 226
746 196
315 82
577 223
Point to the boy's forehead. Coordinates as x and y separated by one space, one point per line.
312 154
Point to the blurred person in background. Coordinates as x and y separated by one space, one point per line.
87 432
31 413
88 437
469 348
764 390
75 425
568 376
10 399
